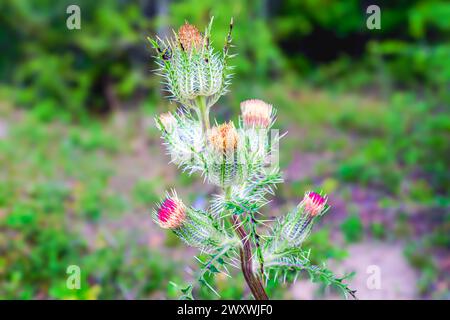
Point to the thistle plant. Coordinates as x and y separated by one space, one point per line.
240 160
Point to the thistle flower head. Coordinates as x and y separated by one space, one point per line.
190 38
256 113
191 68
194 227
171 213
225 163
313 203
223 138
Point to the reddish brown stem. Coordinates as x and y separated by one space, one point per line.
252 279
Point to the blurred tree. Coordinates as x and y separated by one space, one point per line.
72 70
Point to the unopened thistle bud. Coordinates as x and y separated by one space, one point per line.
190 38
225 167
171 213
194 73
192 226
183 137
313 203
257 117
256 113
297 224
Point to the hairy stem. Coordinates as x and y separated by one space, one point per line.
252 279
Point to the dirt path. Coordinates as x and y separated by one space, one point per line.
397 278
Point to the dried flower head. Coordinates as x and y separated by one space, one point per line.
190 37
256 113
223 138
171 213
313 203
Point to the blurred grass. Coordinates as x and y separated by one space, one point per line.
56 182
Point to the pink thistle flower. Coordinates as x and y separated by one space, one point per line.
256 113
171 213
314 203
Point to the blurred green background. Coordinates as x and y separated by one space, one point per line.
367 115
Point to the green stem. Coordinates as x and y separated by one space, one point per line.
203 113
228 222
